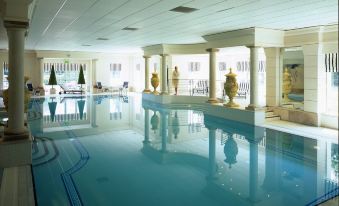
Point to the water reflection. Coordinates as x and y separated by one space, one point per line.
274 168
228 163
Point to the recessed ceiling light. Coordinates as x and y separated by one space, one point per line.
86 45
226 9
102 39
183 9
130 29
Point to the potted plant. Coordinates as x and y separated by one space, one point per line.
52 81
81 79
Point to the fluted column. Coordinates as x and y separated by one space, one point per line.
273 64
254 79
164 90
16 43
147 79
213 76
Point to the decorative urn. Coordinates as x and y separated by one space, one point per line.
27 96
287 87
155 82
231 88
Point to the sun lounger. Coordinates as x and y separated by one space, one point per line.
70 90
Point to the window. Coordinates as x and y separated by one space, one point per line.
115 70
5 75
332 80
65 73
222 66
193 66
332 93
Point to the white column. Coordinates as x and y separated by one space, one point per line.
41 72
147 78
273 64
254 79
213 76
16 43
163 78
94 73
314 79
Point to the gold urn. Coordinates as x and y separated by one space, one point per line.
231 88
287 87
27 96
155 82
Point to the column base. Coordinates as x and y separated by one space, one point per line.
147 91
164 93
18 147
155 92
213 101
253 107
10 135
146 141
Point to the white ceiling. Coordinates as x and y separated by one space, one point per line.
70 24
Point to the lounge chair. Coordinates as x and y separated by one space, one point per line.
200 87
70 90
33 90
244 88
123 89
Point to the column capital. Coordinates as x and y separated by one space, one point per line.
146 56
212 50
164 55
254 47
16 24
95 60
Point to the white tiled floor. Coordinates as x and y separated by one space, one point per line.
303 130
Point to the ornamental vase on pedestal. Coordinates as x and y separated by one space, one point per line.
231 88
27 96
155 83
287 87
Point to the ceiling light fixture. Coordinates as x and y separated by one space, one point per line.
225 9
102 39
130 29
183 9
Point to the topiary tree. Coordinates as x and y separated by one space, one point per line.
52 78
81 79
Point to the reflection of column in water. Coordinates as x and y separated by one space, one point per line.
93 113
211 153
253 170
164 124
273 157
146 138
175 125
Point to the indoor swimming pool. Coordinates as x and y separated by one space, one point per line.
110 150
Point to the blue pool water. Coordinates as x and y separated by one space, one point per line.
109 150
